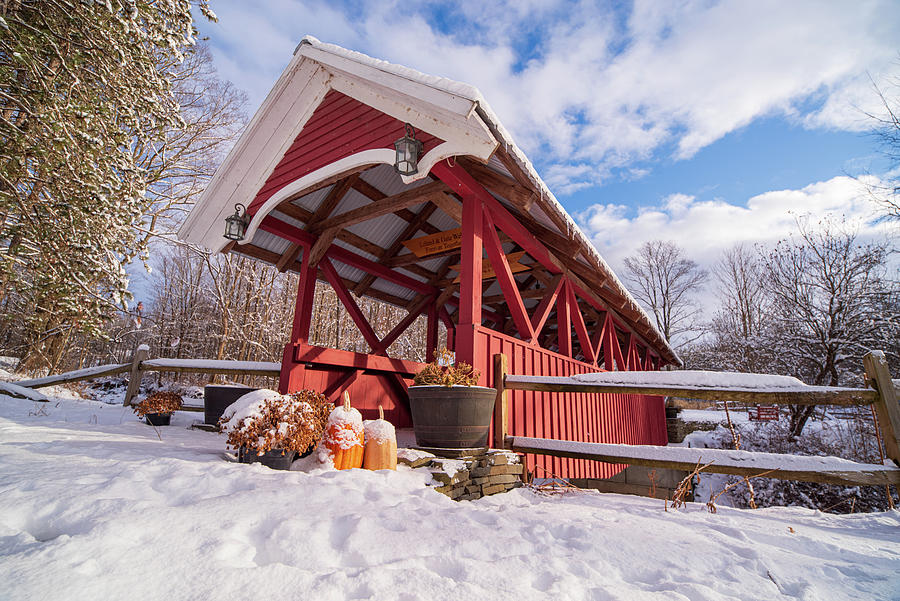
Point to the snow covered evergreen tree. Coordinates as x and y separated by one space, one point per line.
87 107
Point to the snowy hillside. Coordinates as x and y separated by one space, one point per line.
93 505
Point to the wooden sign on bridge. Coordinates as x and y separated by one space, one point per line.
432 244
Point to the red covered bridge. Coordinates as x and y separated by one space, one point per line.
472 239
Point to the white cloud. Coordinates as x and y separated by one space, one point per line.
599 90
704 228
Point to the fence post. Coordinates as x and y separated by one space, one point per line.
887 407
142 353
501 407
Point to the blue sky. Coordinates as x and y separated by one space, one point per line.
704 122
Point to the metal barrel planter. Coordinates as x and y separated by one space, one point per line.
216 399
274 459
454 417
158 419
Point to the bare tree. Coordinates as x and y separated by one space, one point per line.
828 295
741 280
739 330
664 280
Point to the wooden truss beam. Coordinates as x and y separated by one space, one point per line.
461 182
338 253
542 311
584 339
379 208
506 279
391 251
374 194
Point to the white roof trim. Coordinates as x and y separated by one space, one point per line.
360 159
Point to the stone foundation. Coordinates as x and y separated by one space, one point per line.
636 480
677 429
471 474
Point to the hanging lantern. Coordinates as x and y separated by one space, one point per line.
236 225
408 149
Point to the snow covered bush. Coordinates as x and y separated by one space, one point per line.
264 420
158 402
852 439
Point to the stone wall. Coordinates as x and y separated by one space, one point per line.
658 483
481 473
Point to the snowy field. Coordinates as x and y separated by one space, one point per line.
94 505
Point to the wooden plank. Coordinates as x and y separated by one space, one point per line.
215 370
886 406
450 205
306 291
498 183
612 343
463 183
487 267
321 246
564 321
584 339
505 278
134 379
723 461
212 366
332 199
289 257
820 396
77 375
354 240
542 311
349 303
385 206
354 260
501 404
401 327
338 253
319 355
470 288
411 259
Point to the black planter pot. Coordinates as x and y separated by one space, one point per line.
454 417
158 419
271 459
216 399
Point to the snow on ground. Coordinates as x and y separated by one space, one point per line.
94 505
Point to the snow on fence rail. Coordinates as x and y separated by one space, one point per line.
212 366
830 470
697 385
88 373
141 363
720 386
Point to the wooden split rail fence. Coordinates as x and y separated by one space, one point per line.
141 363
881 394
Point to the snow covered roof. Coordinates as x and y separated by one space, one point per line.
452 111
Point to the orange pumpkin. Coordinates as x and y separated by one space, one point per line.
381 444
345 436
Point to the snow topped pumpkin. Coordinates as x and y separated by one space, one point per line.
345 436
381 444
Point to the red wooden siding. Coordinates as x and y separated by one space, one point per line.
339 127
320 369
580 417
